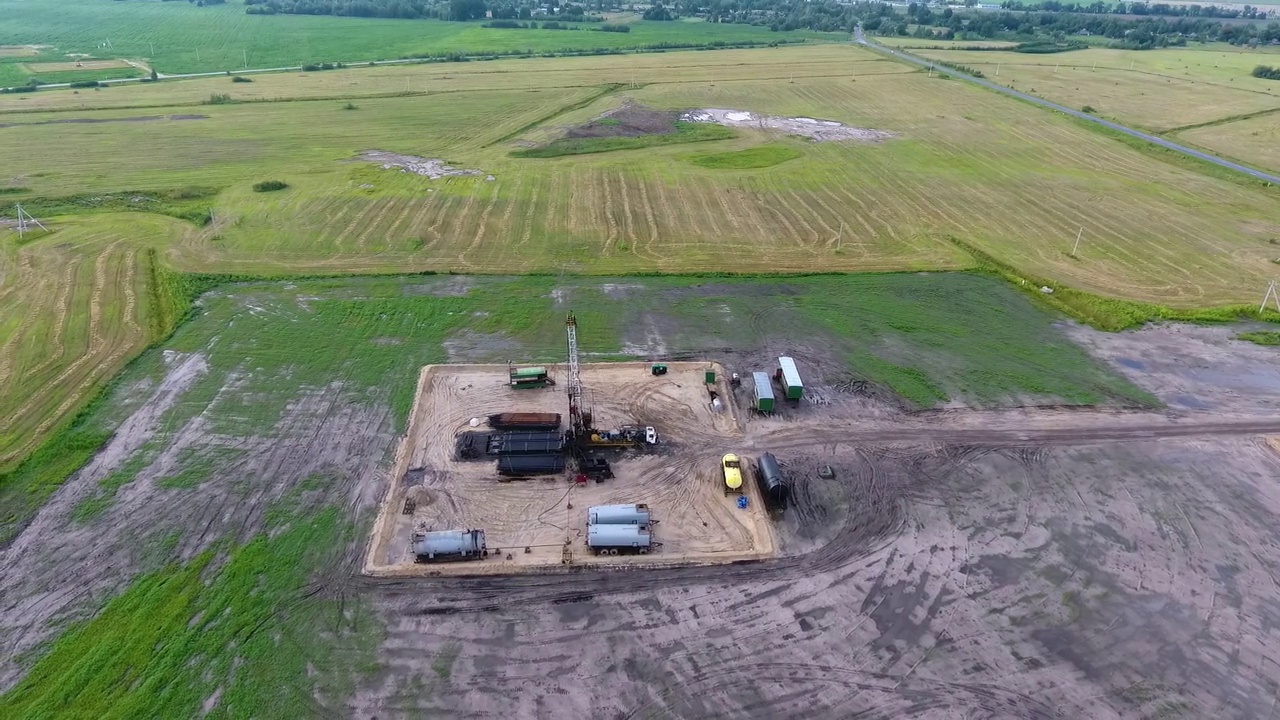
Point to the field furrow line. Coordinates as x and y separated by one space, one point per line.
554 199
133 329
860 214
385 208
744 216
530 216
671 219
629 225
797 219
690 220
442 212
721 198
650 221
460 221
38 292
483 226
58 329
357 221
611 239
505 229
832 231
574 203
95 341
409 211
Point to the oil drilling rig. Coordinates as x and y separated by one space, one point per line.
584 435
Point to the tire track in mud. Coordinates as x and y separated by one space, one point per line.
876 513
919 695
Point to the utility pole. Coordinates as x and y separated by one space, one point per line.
840 236
153 49
1077 245
1271 294
246 57
25 221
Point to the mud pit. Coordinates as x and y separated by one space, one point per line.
819 130
680 479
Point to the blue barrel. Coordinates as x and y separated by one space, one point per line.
742 502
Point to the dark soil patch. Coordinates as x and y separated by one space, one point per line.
628 121
95 121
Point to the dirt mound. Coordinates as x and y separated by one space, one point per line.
820 130
433 168
628 121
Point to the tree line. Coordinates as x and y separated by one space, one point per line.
1141 8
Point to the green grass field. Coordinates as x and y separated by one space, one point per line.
253 622
966 170
184 38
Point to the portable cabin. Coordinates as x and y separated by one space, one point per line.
764 392
632 514
787 374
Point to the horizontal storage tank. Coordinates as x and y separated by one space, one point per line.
541 442
525 421
790 377
774 486
764 392
633 514
449 545
527 465
618 537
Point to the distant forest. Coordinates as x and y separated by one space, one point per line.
1053 20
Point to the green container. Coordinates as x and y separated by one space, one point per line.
711 377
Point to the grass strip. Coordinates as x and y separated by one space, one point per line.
749 159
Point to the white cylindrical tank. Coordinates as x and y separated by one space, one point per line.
449 545
633 514
618 537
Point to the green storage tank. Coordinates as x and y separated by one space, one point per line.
711 377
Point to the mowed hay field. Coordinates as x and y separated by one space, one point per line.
966 165
1255 140
72 312
1158 90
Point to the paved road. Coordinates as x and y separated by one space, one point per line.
1257 174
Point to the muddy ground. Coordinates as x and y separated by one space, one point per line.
1015 563
630 120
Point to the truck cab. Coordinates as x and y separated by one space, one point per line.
732 468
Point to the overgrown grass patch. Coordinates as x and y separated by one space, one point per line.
686 132
235 622
1261 337
749 159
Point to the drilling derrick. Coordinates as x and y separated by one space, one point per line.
577 421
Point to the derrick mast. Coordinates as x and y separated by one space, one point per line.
577 421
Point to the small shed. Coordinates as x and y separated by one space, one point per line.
764 392
792 386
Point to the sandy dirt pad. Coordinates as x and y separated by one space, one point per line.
58 569
1117 581
820 130
680 480
76 65
433 168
